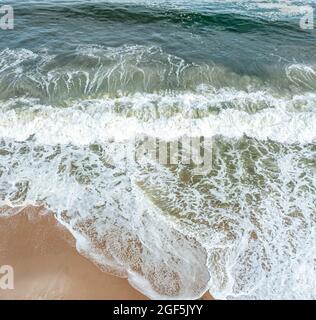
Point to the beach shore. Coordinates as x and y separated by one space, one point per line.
47 265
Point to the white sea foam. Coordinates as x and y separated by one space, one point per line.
100 120
245 230
142 69
110 216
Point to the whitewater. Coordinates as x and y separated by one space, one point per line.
83 84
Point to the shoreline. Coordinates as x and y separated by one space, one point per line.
47 265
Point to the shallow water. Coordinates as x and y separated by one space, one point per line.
84 82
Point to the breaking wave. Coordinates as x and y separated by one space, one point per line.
244 230
96 71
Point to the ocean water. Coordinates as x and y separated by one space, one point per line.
84 82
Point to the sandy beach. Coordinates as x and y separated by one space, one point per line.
47 265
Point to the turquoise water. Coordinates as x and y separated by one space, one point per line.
84 82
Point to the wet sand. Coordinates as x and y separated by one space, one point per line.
47 265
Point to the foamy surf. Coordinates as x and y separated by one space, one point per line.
72 109
165 117
91 72
179 235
